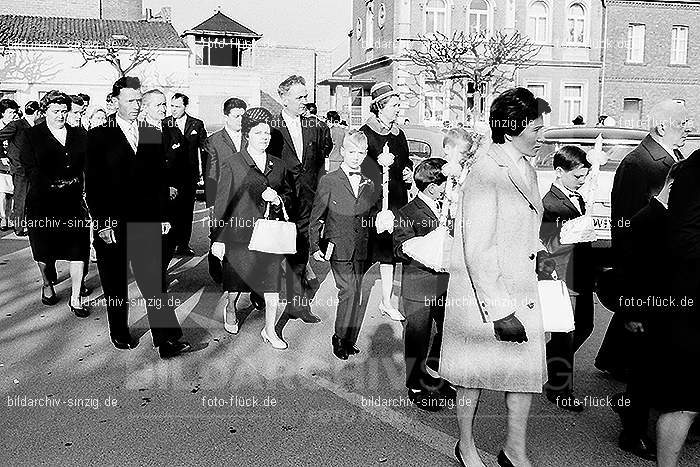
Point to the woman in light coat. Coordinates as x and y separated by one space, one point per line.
492 334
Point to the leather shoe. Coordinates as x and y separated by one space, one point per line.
257 301
49 300
170 349
447 390
565 400
425 400
185 251
351 349
640 446
339 349
305 315
21 233
125 342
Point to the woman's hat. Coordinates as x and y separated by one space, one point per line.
253 117
381 91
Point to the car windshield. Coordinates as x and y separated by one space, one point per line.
545 155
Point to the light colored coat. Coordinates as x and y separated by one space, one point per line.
493 275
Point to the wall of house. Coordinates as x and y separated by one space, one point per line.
655 79
131 10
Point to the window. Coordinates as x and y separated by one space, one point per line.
471 90
223 51
7 94
433 103
541 90
635 43
369 22
631 113
576 24
679 45
359 106
435 19
538 22
479 17
572 103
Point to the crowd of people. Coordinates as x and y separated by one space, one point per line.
287 192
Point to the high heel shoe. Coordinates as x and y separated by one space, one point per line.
277 343
391 312
81 312
503 460
231 307
51 299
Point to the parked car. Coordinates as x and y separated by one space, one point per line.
423 142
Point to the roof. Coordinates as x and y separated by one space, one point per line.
223 25
72 32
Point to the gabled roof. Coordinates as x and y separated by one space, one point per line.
89 32
223 25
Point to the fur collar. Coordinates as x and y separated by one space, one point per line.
380 128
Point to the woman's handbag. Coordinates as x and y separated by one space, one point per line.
274 236
557 312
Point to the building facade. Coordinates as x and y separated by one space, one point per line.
566 71
651 54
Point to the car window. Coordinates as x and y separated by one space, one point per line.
420 149
545 155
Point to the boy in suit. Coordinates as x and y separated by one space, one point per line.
345 204
572 264
423 290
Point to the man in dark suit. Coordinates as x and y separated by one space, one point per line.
563 203
219 148
423 290
10 133
191 134
303 144
126 194
639 178
344 204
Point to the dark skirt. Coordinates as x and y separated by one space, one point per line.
250 271
59 230
380 247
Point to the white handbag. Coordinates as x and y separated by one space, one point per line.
273 236
433 249
557 312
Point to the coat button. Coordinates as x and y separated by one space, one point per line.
531 305
532 256
483 304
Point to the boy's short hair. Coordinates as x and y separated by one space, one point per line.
455 135
357 137
429 171
570 158
234 103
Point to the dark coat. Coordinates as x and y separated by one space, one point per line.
177 163
347 219
219 148
55 172
317 146
10 133
239 201
418 282
639 177
191 142
122 186
398 146
573 262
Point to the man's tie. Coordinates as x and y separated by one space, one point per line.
354 173
679 154
581 203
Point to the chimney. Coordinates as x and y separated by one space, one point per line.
162 16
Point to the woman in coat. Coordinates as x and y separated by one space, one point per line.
381 128
250 181
492 333
53 155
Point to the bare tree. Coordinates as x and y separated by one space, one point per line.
485 61
112 54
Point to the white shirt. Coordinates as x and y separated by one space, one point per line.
294 127
130 130
259 158
432 204
573 196
354 179
59 134
180 122
235 137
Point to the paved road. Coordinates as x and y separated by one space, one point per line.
236 401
